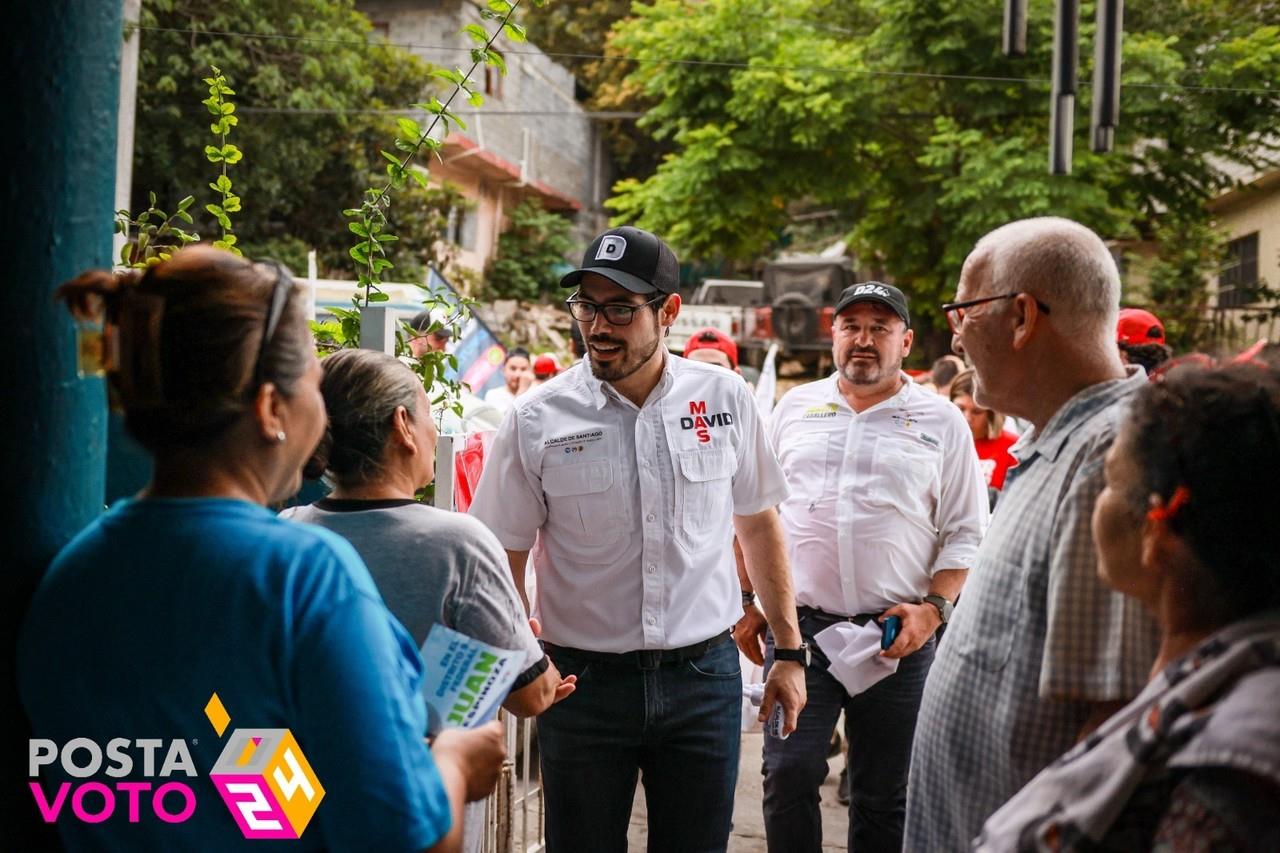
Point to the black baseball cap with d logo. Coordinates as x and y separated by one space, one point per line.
874 291
632 258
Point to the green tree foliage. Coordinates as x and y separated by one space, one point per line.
304 100
534 242
841 105
579 36
1186 250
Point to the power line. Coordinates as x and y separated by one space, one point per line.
707 63
605 114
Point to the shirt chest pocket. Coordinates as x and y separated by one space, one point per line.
998 594
704 491
806 465
906 473
581 504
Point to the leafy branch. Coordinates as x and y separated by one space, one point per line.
155 234
369 221
223 154
431 367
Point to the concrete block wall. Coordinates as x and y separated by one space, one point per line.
561 149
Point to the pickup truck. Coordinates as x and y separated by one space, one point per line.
724 304
796 308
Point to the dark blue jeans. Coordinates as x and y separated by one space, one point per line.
676 726
879 726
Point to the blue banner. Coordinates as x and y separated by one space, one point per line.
479 353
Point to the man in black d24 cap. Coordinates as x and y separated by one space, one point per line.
886 511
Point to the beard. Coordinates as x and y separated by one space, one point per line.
627 361
857 371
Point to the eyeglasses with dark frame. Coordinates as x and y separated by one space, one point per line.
955 310
615 314
279 298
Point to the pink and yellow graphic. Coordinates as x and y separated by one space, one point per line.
264 779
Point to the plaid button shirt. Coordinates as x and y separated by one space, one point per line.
1036 637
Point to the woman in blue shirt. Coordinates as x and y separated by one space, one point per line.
194 588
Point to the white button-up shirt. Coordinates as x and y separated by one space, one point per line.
629 510
880 500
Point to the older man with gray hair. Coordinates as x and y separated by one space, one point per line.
1038 652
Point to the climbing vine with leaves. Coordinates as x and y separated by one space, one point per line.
369 220
370 225
153 235
223 154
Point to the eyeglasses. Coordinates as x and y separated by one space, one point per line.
615 314
279 298
955 310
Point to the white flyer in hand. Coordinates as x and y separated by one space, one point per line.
854 652
466 680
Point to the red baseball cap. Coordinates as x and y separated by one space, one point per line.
545 366
709 338
1137 327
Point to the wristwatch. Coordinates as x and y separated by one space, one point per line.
748 598
944 606
800 655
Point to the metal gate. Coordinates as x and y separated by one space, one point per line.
513 814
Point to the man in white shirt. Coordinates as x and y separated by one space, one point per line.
627 475
886 511
517 374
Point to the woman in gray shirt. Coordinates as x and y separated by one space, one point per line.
429 564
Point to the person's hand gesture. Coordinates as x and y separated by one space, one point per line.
567 684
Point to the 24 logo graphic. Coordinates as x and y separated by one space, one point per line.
263 777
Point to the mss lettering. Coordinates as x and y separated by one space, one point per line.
702 423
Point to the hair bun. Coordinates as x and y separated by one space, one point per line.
92 293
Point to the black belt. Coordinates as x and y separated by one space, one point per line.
803 610
644 658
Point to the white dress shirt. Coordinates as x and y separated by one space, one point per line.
880 500
629 510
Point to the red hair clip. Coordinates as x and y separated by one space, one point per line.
1169 511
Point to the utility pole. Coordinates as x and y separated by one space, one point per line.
63 58
128 110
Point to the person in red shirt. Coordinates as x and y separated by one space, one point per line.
990 438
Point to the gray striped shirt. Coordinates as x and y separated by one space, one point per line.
1036 637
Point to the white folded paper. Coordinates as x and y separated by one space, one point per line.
854 652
